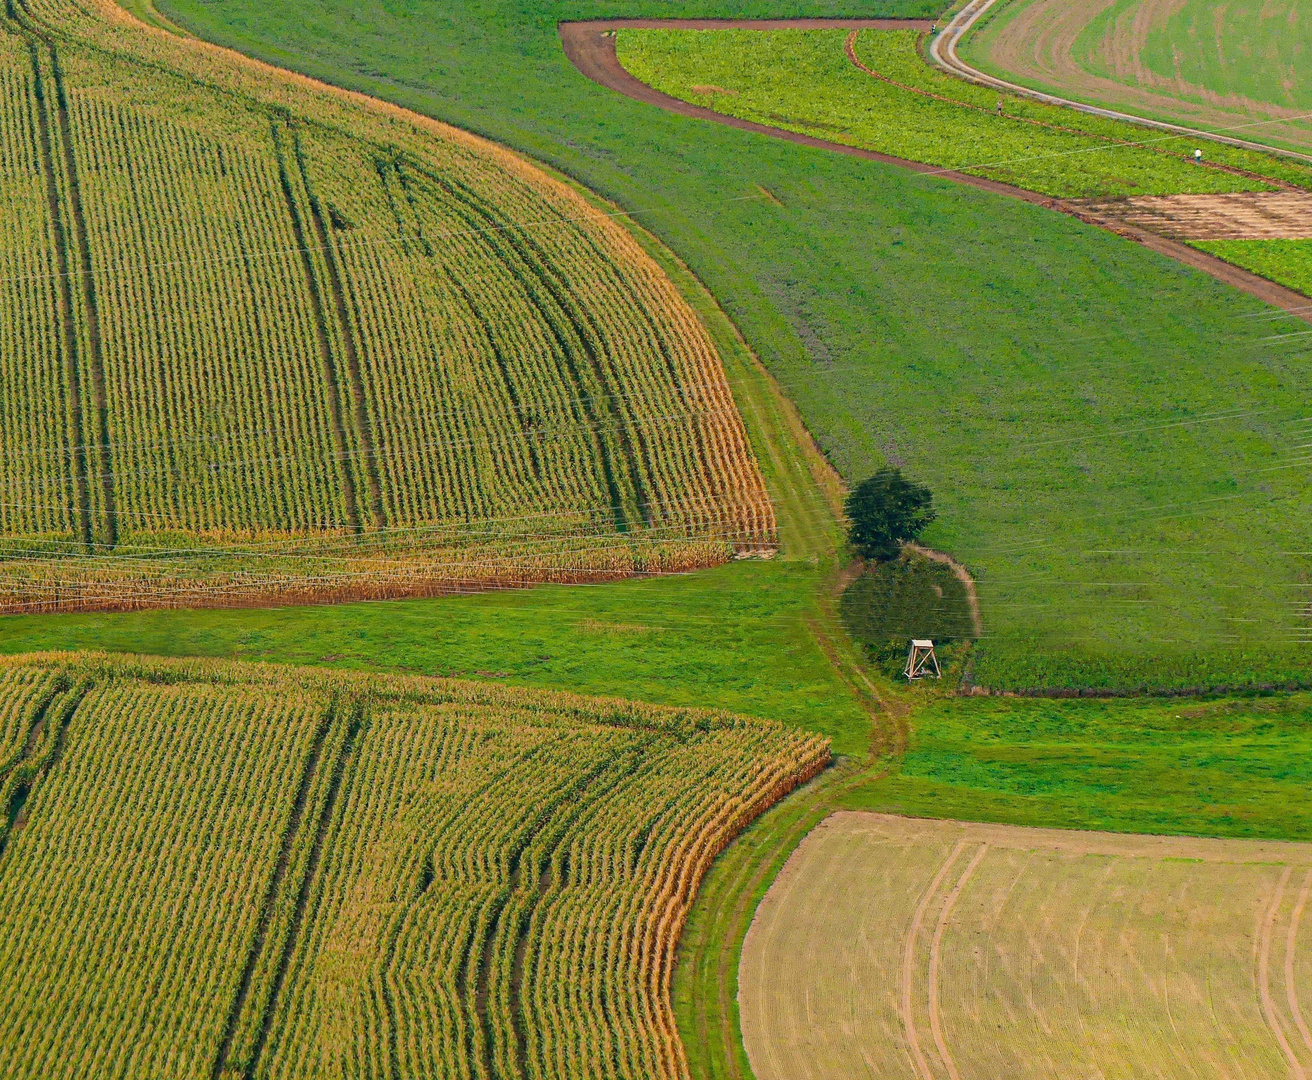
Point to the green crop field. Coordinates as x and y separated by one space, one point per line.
1203 63
1286 261
216 870
803 80
899 105
262 338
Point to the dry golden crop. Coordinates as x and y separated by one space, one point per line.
946 950
258 336
216 870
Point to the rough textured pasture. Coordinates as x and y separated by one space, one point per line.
906 948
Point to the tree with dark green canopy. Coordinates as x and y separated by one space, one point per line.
885 511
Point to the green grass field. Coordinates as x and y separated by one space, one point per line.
1212 767
1209 64
1253 50
1081 407
802 80
736 635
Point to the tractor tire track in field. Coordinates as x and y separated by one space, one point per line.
1291 987
320 319
590 46
943 52
1264 979
323 234
486 321
530 269
74 264
270 895
91 307
923 1071
936 952
307 880
58 709
35 724
72 380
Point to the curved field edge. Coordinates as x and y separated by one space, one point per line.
330 573
814 131
1220 669
976 48
1203 767
764 759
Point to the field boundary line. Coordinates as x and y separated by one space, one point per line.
943 51
1264 979
935 951
1291 988
592 51
909 962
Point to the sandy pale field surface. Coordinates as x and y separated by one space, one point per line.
897 947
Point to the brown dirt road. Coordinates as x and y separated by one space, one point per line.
590 46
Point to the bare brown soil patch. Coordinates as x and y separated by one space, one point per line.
942 950
1249 215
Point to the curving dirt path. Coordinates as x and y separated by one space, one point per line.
590 47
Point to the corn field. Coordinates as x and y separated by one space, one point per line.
220 870
256 333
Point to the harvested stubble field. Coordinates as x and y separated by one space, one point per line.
1203 63
211 870
266 338
900 947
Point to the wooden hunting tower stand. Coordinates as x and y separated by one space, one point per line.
921 660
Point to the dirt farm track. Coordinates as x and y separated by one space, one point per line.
590 46
936 950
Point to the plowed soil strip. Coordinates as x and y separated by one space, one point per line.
1244 215
590 47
